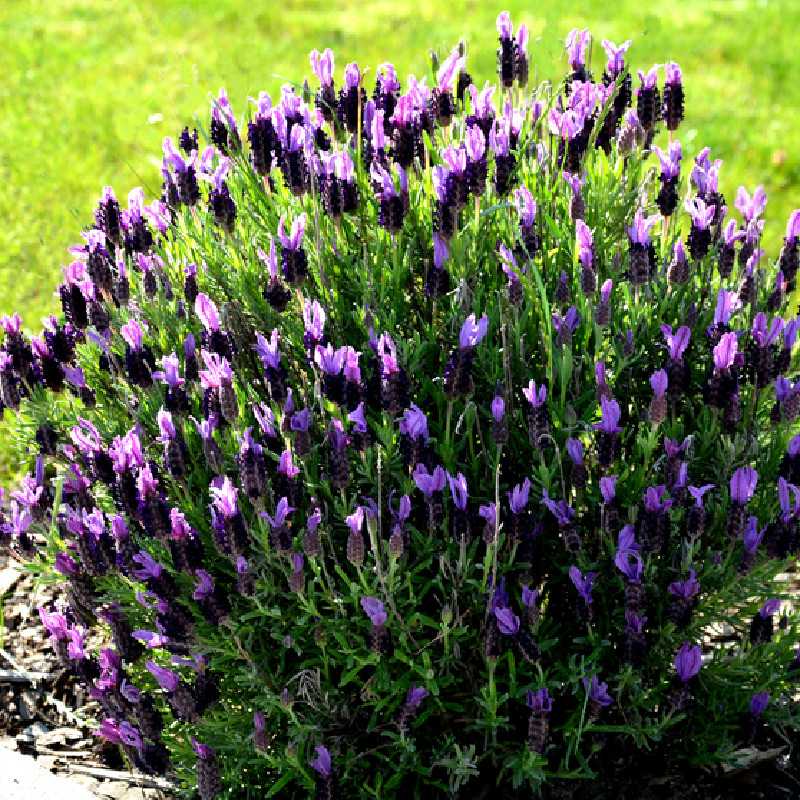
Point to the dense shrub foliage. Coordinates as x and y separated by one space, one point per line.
422 440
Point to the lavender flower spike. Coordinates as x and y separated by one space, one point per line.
375 610
472 332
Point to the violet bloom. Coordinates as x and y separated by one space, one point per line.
415 696
429 483
677 342
750 206
743 485
166 678
628 560
770 608
518 497
639 230
322 761
609 417
585 243
576 44
758 703
608 488
507 621
472 331
725 352
686 589
458 490
688 661
597 691
414 423
539 701
616 56
583 583
375 610
535 396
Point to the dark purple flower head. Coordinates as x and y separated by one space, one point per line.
375 610
743 485
597 691
677 342
609 416
539 701
583 583
686 589
608 488
507 621
458 490
769 608
688 661
322 761
758 703
518 497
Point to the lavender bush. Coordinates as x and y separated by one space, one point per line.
422 441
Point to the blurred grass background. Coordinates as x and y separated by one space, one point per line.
90 87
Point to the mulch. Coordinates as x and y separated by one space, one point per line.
45 712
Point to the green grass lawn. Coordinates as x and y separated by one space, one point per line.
90 87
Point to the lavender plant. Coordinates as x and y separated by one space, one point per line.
422 441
